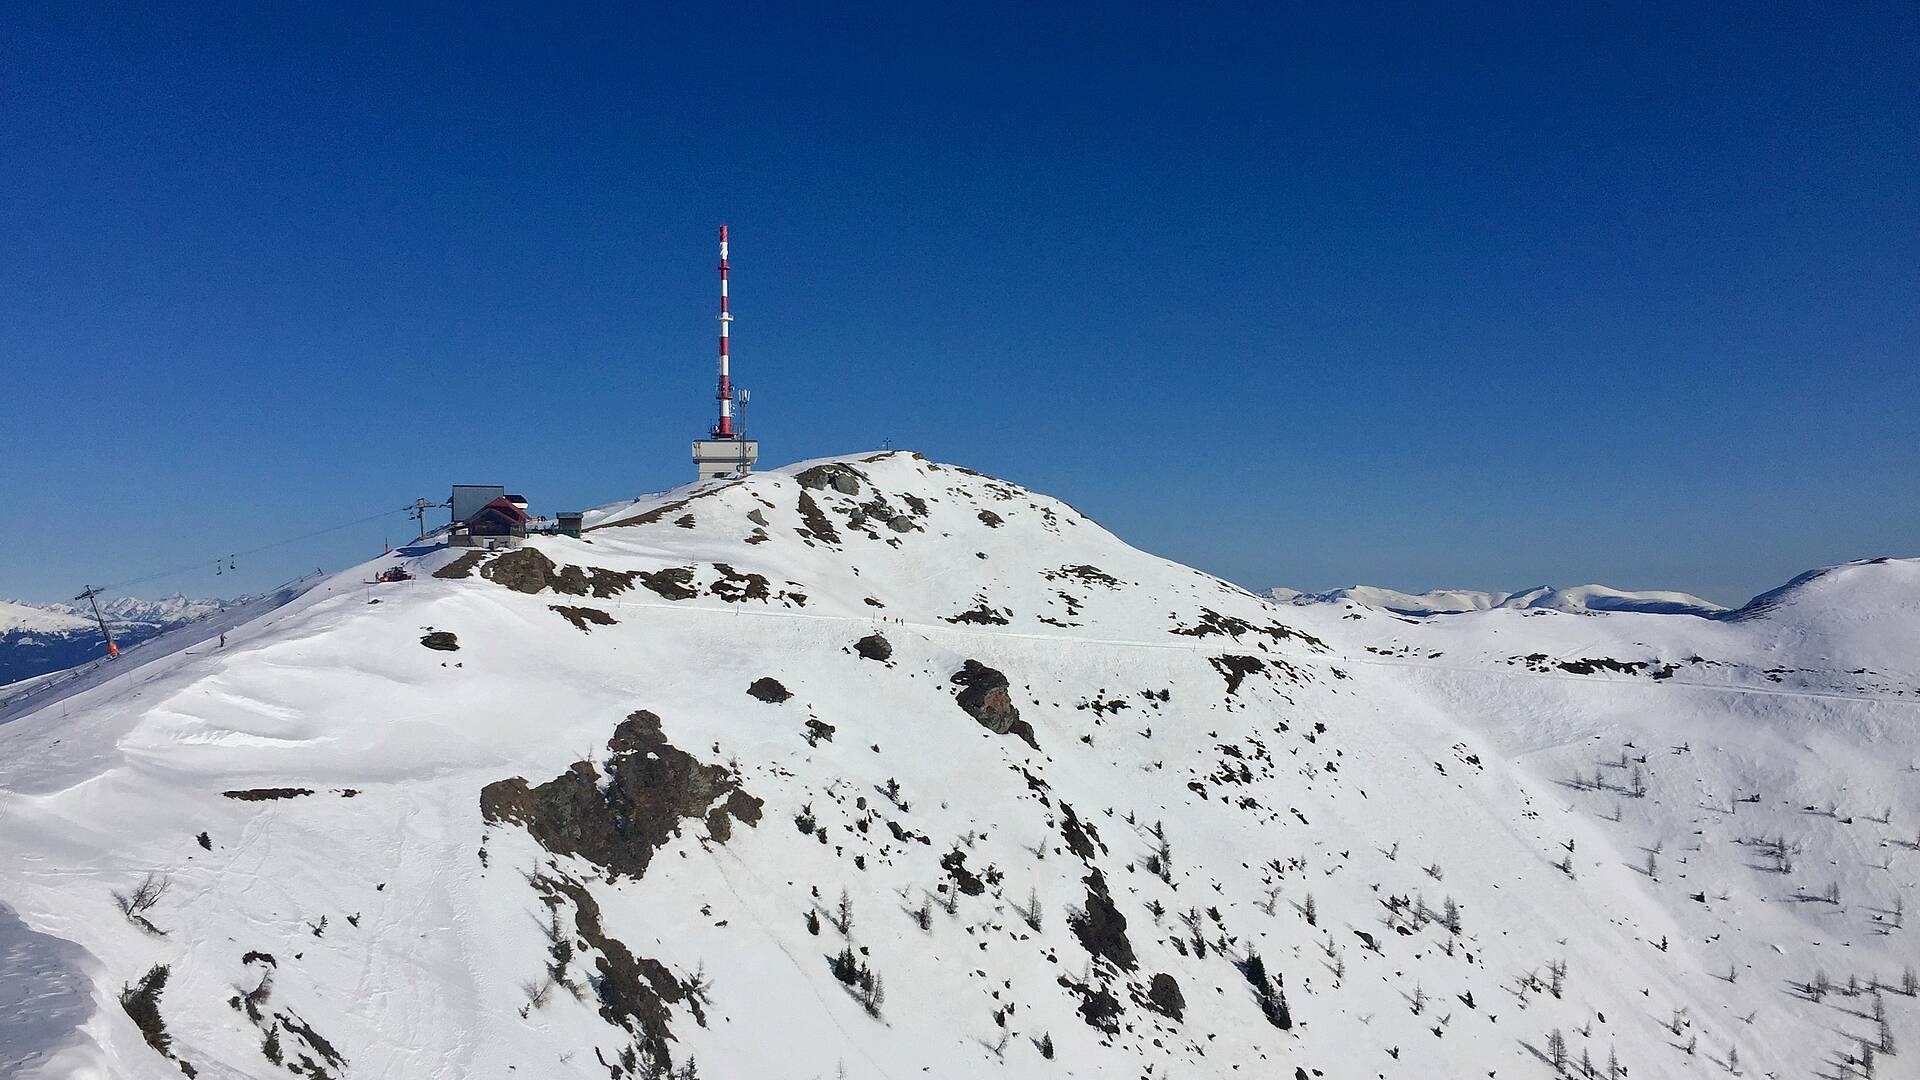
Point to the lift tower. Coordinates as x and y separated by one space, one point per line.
91 596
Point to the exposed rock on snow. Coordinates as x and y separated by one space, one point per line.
674 583
874 647
1235 669
524 570
769 690
984 696
650 786
582 616
462 566
1101 928
844 479
266 794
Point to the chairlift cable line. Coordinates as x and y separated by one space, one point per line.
198 563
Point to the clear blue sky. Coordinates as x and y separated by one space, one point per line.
1296 295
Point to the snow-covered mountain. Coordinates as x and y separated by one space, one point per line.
35 619
875 767
36 639
1579 598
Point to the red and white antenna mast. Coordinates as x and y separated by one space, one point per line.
726 451
724 428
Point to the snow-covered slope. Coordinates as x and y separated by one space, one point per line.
1545 597
686 788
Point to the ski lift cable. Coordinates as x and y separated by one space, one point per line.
198 564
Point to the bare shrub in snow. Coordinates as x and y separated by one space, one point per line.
135 905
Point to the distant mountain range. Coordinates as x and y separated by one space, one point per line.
36 639
1578 598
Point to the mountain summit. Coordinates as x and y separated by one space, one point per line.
878 767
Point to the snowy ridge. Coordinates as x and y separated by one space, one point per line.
1579 598
119 610
590 808
33 619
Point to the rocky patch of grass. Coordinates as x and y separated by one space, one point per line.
818 525
462 566
581 616
673 583
1235 669
650 787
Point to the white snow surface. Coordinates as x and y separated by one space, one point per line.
1320 758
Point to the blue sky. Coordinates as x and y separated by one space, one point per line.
1489 297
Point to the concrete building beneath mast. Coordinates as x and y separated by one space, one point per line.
715 458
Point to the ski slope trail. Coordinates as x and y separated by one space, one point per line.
878 767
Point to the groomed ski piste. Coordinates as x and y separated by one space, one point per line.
877 767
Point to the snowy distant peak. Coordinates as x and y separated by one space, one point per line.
33 619
165 611
1865 588
1579 598
1861 588
37 639
1436 602
1602 598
